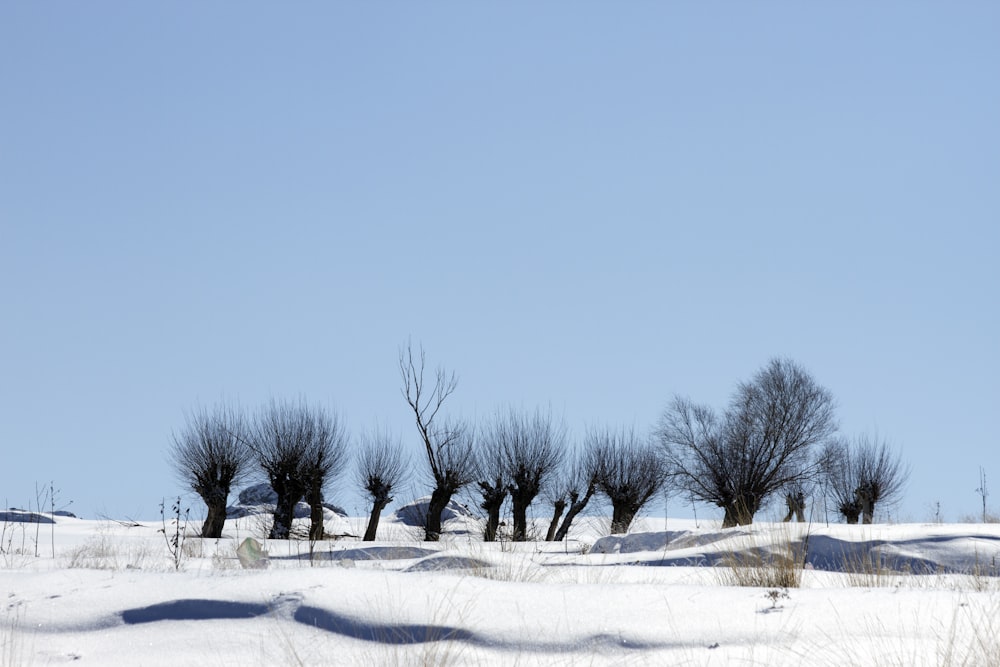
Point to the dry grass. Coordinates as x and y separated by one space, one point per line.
969 637
868 569
105 551
776 562
14 649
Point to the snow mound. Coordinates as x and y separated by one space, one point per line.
261 499
21 516
415 514
383 553
439 563
626 544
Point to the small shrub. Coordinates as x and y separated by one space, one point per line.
176 533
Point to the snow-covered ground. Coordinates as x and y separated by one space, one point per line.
108 593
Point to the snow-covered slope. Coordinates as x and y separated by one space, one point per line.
108 593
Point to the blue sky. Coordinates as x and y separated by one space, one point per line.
587 206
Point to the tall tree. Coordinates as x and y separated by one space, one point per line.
210 455
764 442
448 447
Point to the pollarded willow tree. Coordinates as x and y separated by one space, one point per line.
518 454
300 449
210 455
863 473
629 471
449 447
765 441
492 480
381 468
571 490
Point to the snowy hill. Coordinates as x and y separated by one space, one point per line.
106 592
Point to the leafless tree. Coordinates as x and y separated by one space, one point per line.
842 477
763 443
862 473
570 492
381 468
630 471
299 448
449 447
520 452
210 455
324 460
492 479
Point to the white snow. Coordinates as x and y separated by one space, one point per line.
924 595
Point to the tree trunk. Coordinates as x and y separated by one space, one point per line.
284 508
576 506
621 518
215 520
520 512
850 512
493 497
439 500
739 512
315 499
559 507
377 507
492 507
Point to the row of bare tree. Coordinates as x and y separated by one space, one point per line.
299 449
519 455
776 436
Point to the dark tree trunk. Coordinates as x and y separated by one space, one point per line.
867 510
289 493
439 500
493 497
558 507
851 512
215 520
621 517
377 507
739 512
520 512
315 499
576 506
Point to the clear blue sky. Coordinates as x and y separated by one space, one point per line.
588 206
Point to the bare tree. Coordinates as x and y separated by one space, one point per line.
764 442
531 458
324 460
630 471
842 476
571 492
863 473
298 448
520 452
449 447
381 468
491 478
210 455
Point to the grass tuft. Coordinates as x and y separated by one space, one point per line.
776 563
